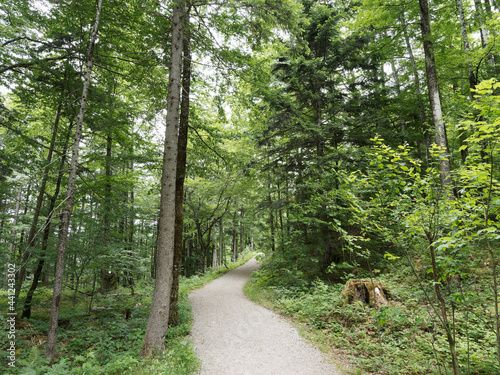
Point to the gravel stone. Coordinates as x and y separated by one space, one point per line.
234 336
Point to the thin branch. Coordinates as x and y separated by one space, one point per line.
205 143
28 64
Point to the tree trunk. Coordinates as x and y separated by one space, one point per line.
242 231
482 29
221 243
493 59
435 101
130 239
465 41
50 349
271 215
418 91
214 255
157 326
108 277
235 238
180 176
470 73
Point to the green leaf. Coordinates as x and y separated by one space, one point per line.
389 256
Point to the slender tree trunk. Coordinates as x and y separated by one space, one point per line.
131 233
491 252
465 41
235 238
157 326
397 83
242 231
214 254
493 59
221 242
482 28
50 349
180 177
108 278
280 217
418 91
271 216
435 101
470 73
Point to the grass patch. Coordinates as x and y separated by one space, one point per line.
401 338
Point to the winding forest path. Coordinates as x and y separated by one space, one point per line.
234 336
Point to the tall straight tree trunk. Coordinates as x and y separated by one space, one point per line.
221 242
465 41
482 29
214 253
271 215
435 101
489 13
235 237
50 349
418 91
242 230
470 73
157 326
180 176
108 278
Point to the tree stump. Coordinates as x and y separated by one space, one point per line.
367 291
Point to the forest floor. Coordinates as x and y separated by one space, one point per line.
234 336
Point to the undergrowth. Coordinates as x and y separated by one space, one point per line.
109 338
400 338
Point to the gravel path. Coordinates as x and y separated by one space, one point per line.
234 336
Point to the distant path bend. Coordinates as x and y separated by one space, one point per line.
234 336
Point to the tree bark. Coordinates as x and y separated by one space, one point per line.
221 243
470 73
493 59
108 278
418 91
50 349
482 29
235 237
180 177
157 326
242 231
271 215
214 253
435 101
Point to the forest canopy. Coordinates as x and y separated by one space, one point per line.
146 142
